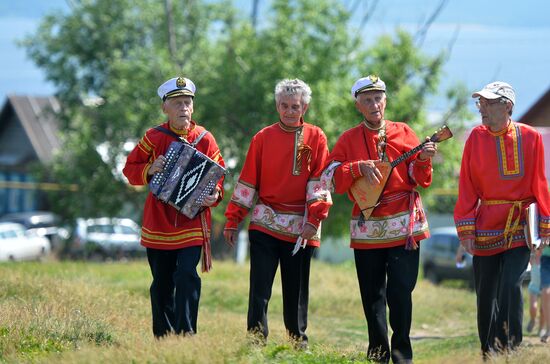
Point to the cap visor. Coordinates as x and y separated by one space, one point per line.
366 89
486 94
179 93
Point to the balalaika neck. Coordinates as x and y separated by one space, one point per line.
406 155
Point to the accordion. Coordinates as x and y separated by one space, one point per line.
187 178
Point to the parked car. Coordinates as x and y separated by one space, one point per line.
437 257
18 244
42 223
104 238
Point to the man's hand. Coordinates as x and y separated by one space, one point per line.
157 166
308 232
459 256
468 245
230 236
544 242
370 172
428 150
211 199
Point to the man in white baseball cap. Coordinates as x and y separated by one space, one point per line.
174 242
502 174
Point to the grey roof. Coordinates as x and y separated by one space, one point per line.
37 117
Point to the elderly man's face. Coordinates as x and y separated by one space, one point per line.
179 111
494 112
291 109
372 105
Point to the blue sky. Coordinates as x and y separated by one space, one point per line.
495 40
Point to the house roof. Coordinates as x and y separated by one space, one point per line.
38 120
539 113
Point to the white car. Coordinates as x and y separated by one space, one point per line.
18 244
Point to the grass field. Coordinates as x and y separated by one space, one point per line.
75 312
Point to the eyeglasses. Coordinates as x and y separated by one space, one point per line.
487 102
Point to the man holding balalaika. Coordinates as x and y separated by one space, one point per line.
385 231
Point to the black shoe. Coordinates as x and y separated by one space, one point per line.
301 345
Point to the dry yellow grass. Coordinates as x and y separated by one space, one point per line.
59 312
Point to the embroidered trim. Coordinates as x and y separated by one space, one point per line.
382 125
244 195
155 237
544 225
316 191
466 228
302 153
353 175
504 169
494 239
285 224
386 229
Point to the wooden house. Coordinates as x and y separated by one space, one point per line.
28 135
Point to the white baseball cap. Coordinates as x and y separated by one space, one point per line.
496 90
177 86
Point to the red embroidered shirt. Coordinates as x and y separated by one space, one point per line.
501 173
389 222
163 227
280 178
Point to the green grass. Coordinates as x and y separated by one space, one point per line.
75 312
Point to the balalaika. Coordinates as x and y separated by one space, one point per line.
187 178
367 196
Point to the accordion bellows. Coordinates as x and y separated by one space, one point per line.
187 178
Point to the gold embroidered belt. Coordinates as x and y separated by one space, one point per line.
511 226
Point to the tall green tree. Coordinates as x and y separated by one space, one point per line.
121 51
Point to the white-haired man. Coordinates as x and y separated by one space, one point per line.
279 182
502 173
385 245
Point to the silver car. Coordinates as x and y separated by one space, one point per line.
438 257
103 238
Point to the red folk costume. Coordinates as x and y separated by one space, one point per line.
501 175
389 224
282 164
163 226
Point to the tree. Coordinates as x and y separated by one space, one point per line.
116 51
121 51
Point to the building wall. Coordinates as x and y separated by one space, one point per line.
16 158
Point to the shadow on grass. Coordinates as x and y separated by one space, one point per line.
437 337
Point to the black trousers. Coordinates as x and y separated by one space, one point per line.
498 281
389 276
175 291
266 252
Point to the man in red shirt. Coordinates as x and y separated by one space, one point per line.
173 241
502 173
280 183
385 245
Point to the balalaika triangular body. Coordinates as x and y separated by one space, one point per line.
367 196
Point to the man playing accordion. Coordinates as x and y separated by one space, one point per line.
174 242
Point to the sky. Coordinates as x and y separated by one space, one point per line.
502 40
